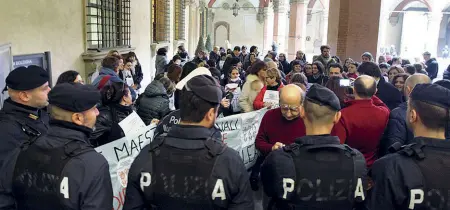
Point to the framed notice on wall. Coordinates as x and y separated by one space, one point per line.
38 59
6 66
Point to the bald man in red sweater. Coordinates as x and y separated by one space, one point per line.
363 121
283 125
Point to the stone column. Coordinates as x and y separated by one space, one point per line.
268 30
351 30
384 20
325 16
434 24
297 26
279 27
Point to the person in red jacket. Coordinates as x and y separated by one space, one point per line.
363 120
281 126
273 81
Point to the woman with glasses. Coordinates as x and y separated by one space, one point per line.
273 81
116 106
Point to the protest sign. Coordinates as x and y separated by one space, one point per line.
237 131
273 97
120 154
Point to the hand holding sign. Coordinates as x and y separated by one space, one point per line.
271 97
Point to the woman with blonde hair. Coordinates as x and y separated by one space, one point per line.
273 83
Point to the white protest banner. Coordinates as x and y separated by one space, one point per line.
239 132
120 154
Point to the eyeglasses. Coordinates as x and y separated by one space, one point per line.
270 77
286 107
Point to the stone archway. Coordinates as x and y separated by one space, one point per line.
311 4
227 28
394 15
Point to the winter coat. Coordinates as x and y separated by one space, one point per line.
249 93
103 73
286 66
138 75
446 75
215 56
160 62
432 68
259 100
321 80
153 103
107 127
389 94
396 130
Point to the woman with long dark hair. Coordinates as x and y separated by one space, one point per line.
116 106
70 76
318 74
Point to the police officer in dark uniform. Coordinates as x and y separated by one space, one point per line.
22 116
316 172
188 168
416 176
61 170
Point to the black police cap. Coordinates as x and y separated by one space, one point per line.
74 97
205 87
323 96
444 83
26 78
432 94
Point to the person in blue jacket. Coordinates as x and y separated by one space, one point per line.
397 130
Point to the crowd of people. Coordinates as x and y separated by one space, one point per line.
370 135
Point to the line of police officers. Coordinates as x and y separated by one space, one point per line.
50 164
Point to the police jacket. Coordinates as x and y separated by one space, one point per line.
301 175
432 68
416 177
20 123
107 127
88 185
396 130
228 167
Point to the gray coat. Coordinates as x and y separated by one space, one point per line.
160 62
154 103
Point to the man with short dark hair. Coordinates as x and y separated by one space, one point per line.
335 70
416 175
188 168
237 51
108 72
61 170
363 120
294 175
386 91
397 130
253 49
432 65
325 57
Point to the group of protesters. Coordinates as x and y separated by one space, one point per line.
363 110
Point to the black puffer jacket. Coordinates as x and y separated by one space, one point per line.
107 127
154 103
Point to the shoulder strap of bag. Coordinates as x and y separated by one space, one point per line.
103 81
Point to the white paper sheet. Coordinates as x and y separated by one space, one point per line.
132 124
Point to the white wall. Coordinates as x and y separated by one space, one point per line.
141 37
244 29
